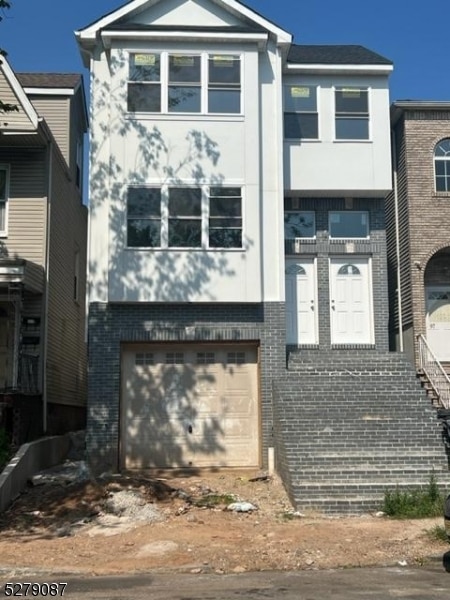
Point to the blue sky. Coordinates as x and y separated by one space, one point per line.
38 35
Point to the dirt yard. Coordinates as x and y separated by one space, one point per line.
136 524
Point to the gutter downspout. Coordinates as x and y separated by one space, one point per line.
46 292
397 239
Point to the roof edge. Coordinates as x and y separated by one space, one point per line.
89 33
28 107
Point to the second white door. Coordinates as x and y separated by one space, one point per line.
351 301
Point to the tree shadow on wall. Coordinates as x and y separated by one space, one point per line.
162 427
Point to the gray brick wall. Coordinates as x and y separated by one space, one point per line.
110 325
348 425
324 249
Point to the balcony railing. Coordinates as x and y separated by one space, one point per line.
435 373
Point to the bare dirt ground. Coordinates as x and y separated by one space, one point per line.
136 524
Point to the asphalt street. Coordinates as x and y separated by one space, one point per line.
426 583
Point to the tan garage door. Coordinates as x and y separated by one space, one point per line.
189 406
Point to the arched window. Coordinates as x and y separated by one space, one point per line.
442 165
349 270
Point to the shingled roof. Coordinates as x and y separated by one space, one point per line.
334 55
49 80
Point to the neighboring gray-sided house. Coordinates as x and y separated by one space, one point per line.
238 301
418 219
43 239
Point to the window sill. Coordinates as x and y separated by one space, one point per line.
437 195
196 250
300 141
144 116
352 141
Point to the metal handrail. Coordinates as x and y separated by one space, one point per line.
432 368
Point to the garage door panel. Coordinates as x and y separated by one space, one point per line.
176 412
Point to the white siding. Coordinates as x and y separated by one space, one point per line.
157 150
331 167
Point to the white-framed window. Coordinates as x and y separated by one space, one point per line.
224 84
144 82
206 217
301 118
299 224
143 217
225 217
351 113
442 165
348 224
187 83
185 217
4 196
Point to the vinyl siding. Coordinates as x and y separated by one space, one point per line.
14 119
27 210
66 350
404 238
56 111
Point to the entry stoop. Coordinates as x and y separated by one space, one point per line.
349 426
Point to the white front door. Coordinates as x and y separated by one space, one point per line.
351 301
438 321
301 301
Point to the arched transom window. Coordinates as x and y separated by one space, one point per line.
349 270
442 165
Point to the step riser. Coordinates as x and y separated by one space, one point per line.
350 426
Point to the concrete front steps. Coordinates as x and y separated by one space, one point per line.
352 425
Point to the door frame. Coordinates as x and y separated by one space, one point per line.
433 288
311 260
367 260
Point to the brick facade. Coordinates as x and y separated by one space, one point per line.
424 217
111 325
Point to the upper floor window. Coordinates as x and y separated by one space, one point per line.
352 113
301 119
442 165
345 224
4 193
184 217
144 85
184 83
